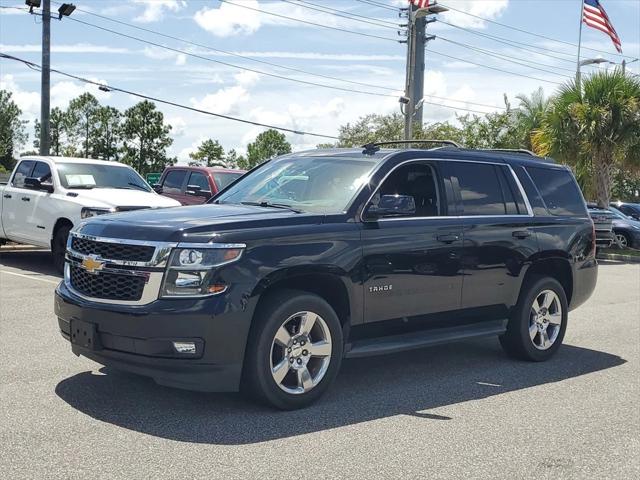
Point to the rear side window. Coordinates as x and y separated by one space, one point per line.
559 191
173 181
22 172
480 189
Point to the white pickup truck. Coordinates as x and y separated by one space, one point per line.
46 196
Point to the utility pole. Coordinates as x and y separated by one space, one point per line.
45 82
412 102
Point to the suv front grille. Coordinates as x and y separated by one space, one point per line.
113 251
106 285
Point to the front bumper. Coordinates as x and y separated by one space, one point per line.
140 339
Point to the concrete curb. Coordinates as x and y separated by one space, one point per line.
619 257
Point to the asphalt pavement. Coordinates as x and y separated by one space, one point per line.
456 411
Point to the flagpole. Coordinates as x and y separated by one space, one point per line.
579 45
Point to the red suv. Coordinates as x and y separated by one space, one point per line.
194 185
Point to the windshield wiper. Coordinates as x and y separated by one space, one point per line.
137 185
273 205
81 187
140 187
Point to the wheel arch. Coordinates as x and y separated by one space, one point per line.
554 266
62 221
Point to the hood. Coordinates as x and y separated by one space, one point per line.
196 223
120 197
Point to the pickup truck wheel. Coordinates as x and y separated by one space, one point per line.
538 324
295 350
59 247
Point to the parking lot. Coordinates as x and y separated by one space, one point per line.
457 411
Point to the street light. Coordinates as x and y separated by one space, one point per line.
32 4
65 10
593 61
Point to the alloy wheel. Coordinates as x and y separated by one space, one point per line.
300 352
621 240
545 319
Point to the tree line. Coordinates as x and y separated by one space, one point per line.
139 136
594 128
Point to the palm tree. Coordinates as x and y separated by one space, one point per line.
530 114
595 129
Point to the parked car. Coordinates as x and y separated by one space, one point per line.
194 185
47 196
603 222
313 257
629 209
626 230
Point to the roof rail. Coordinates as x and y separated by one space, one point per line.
375 146
511 150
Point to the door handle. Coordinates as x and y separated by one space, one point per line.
26 199
6 195
448 238
521 234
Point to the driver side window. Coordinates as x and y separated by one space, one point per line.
415 180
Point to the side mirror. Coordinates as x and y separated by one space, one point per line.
35 184
391 205
157 187
197 191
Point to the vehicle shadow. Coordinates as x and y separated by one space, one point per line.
410 383
32 261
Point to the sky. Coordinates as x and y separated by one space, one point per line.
468 65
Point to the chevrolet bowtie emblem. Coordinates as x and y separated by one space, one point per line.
92 264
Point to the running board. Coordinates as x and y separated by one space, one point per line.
413 340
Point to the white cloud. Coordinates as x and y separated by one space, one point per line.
247 78
63 92
490 9
225 100
28 102
178 124
154 9
70 48
228 19
157 53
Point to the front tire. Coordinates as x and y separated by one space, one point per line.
59 247
538 324
294 350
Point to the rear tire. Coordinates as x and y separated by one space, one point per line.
59 247
288 364
538 324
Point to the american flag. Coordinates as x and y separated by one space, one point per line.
420 3
595 16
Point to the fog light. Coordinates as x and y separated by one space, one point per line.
185 347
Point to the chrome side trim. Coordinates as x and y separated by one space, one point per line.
522 192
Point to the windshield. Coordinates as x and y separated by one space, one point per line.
224 179
308 184
618 213
93 175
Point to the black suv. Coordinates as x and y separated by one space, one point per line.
329 254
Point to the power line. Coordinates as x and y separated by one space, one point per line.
530 33
376 4
261 72
494 68
340 13
33 65
310 23
508 58
233 54
513 43
269 63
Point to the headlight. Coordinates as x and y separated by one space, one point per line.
87 212
190 270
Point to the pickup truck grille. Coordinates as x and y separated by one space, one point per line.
113 251
107 285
